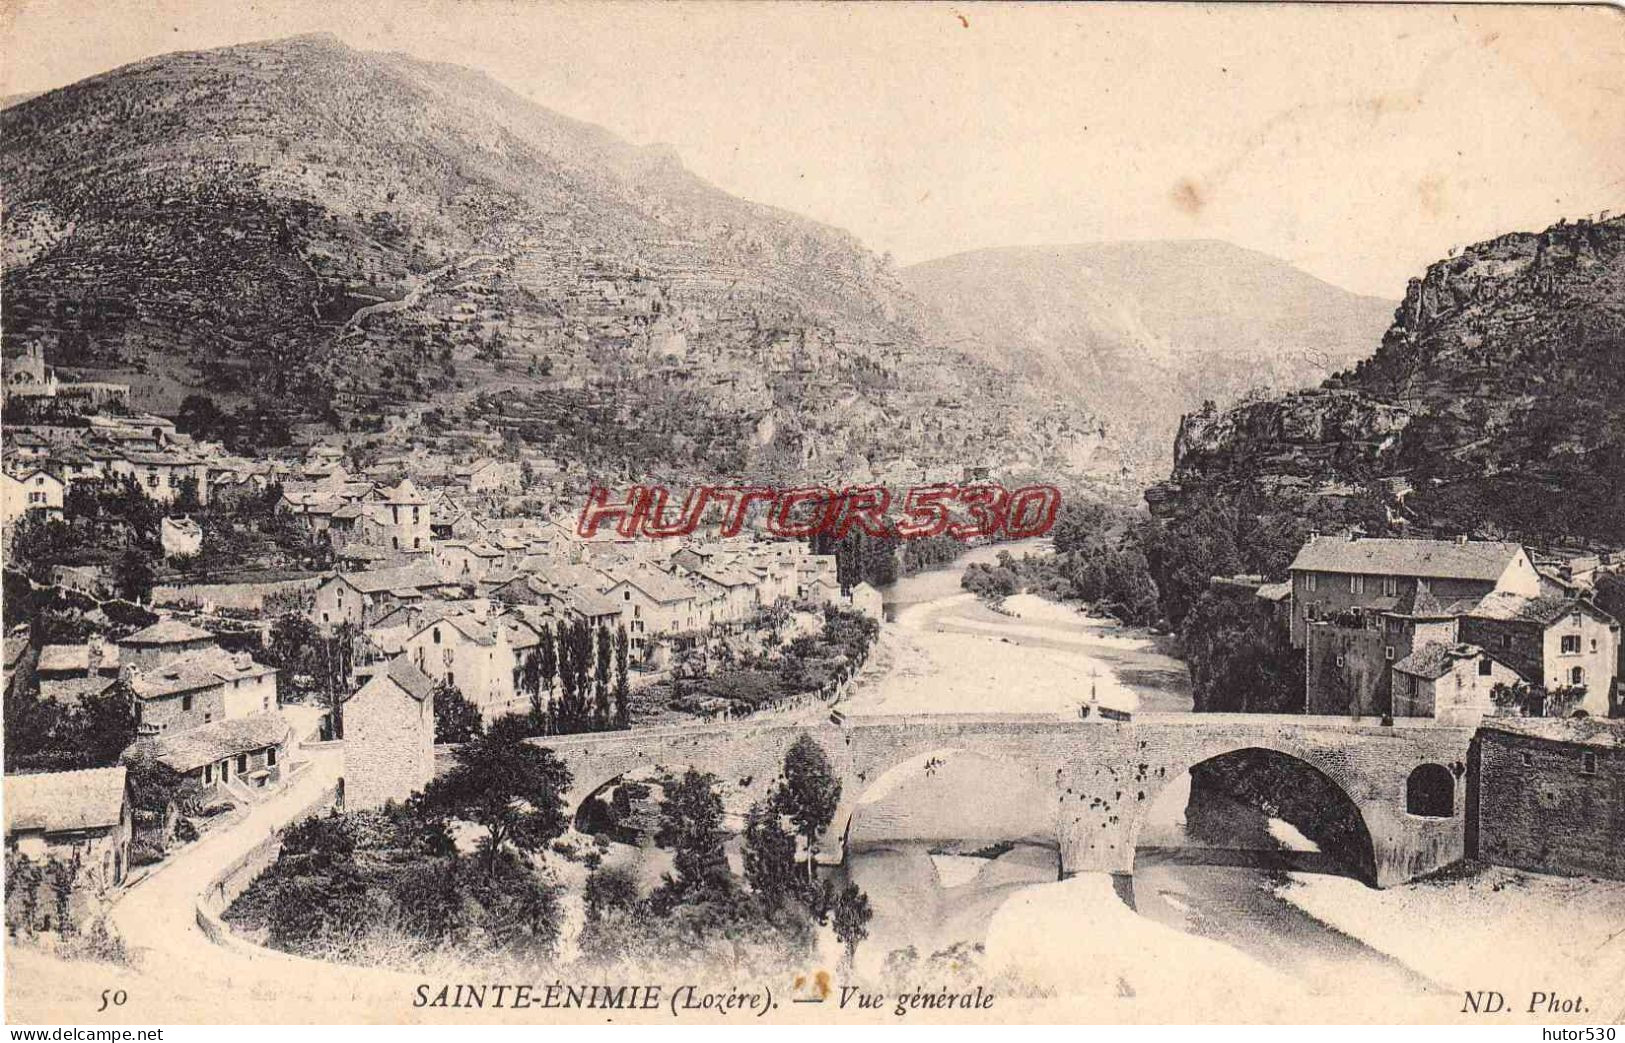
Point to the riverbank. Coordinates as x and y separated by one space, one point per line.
1488 928
955 654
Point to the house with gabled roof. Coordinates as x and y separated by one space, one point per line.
1551 641
389 736
476 652
60 816
1334 575
359 598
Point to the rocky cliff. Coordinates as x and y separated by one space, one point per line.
1495 403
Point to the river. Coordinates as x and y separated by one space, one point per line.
951 653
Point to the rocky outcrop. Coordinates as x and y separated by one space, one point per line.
1498 393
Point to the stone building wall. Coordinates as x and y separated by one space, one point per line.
389 751
1539 809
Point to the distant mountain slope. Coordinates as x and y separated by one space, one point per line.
340 233
1495 405
1141 332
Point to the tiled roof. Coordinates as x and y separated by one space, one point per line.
402 577
167 632
202 669
1273 591
63 658
1585 731
592 604
1432 559
71 691
1542 610
191 749
412 681
56 801
1435 659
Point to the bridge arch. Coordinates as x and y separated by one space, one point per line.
1279 766
957 793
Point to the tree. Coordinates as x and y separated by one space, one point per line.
691 825
547 665
849 916
770 854
808 793
510 787
623 715
133 576
602 708
104 724
455 718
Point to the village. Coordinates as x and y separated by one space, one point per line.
193 636
415 601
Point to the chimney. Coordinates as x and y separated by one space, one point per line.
1354 537
146 740
1313 535
95 649
1461 541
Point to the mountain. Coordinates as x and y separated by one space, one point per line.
1142 332
1495 404
335 236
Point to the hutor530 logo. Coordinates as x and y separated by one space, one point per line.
965 512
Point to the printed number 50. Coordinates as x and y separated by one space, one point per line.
112 998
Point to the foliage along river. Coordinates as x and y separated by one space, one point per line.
931 894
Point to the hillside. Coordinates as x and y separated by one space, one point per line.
1142 332
338 235
1495 404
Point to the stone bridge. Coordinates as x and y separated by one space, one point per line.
1095 778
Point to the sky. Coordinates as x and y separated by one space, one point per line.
1358 142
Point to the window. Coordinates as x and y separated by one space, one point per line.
225 770
1506 640
1339 660
186 704
1388 653
242 763
1483 667
1390 586
437 635
270 757
1310 581
1588 764
1577 675
208 773
208 717
1571 644
1356 584
1431 792
1528 759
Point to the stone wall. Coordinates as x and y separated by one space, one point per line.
1537 808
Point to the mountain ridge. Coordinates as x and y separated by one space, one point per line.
1142 331
1494 406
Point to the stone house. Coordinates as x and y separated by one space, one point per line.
30 492
165 640
400 521
654 604
1552 642
202 688
477 655
1449 682
389 736
180 537
161 474
229 756
359 598
1349 656
1332 576
62 816
1551 795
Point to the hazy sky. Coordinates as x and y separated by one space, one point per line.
1358 142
